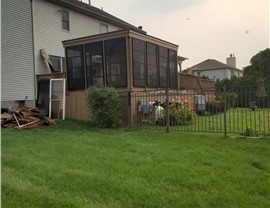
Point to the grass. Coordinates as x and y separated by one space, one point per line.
238 120
73 164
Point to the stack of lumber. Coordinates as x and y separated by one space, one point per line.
25 118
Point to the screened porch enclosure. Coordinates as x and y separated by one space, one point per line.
126 60
101 63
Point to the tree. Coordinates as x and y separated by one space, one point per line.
259 65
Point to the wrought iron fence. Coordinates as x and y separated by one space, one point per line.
242 110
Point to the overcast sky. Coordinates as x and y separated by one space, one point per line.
203 29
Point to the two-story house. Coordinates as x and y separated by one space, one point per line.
215 69
31 25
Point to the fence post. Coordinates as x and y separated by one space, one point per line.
167 111
129 109
225 110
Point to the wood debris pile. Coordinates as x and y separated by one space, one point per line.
25 118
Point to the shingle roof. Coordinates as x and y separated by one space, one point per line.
96 13
211 64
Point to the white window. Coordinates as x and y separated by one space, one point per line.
103 28
198 74
58 63
65 20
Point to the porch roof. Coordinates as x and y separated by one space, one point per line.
119 33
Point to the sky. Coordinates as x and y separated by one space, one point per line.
203 29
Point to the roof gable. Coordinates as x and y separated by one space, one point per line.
95 12
211 64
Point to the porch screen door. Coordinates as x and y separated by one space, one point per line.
57 99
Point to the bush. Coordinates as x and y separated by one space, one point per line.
216 106
249 132
104 106
182 116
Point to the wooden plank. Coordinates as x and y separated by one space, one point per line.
33 124
6 116
16 119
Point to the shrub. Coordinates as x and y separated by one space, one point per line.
182 116
104 106
215 106
249 132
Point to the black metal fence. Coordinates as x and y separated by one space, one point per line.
244 110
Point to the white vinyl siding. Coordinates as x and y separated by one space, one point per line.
103 28
214 74
17 69
217 73
48 32
19 57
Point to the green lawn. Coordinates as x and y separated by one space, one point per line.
238 120
73 164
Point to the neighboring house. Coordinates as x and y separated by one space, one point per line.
215 69
30 25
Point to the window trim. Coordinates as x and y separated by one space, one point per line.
157 64
173 81
82 68
109 64
63 20
61 59
88 73
145 72
160 67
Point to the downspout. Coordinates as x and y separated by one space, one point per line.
33 49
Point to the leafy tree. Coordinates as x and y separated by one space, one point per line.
259 65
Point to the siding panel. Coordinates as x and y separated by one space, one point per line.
49 34
17 51
76 106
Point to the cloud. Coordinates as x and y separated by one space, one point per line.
161 6
214 30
